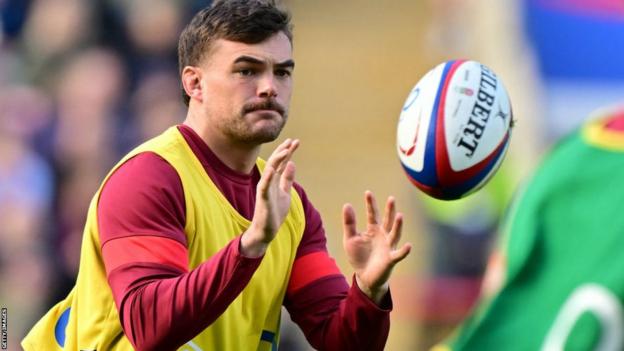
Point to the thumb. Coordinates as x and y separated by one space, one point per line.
398 255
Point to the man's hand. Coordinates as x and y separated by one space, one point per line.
373 252
272 200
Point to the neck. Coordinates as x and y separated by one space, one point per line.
240 157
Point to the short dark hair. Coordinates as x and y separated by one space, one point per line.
245 21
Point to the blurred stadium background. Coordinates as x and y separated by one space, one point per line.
83 81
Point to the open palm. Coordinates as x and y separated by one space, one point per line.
373 252
272 200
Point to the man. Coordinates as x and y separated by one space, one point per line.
557 281
202 242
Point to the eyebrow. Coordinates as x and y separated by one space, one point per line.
253 60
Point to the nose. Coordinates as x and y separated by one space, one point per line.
267 87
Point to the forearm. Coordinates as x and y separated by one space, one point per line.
162 308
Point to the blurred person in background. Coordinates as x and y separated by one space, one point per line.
547 279
26 194
145 33
26 185
88 94
156 104
82 143
164 230
53 30
555 280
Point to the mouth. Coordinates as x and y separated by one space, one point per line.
265 113
265 108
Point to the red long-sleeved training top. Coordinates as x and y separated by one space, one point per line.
162 305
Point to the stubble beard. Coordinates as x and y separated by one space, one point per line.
241 130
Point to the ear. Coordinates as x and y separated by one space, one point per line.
191 82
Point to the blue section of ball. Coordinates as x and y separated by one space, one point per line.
417 176
61 325
429 175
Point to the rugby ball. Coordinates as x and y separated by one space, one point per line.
454 129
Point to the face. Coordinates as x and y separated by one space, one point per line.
246 88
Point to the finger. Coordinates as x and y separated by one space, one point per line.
371 208
279 153
283 146
389 214
291 150
276 159
395 234
288 177
265 181
398 255
348 221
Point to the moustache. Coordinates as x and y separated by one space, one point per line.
269 104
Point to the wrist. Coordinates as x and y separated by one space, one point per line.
376 294
251 247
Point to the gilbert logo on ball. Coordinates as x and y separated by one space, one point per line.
454 129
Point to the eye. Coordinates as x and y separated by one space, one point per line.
246 72
283 73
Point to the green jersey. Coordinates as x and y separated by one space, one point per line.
563 286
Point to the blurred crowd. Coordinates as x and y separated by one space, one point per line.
81 83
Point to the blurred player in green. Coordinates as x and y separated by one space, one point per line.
557 280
